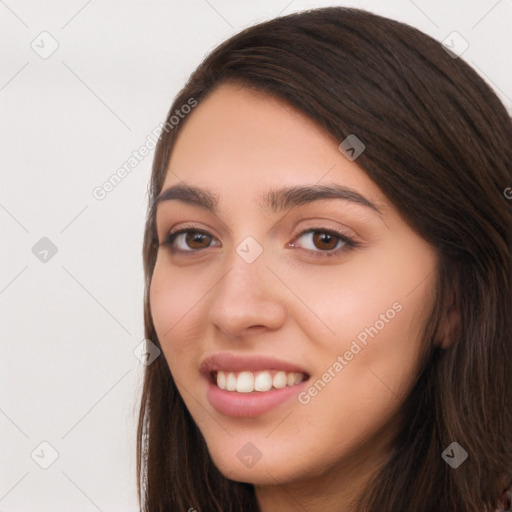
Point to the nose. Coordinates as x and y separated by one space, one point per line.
248 298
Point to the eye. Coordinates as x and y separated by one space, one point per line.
189 240
320 242
323 242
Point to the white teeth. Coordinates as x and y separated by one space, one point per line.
221 380
279 380
231 382
247 382
263 381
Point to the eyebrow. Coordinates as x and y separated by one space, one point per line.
276 200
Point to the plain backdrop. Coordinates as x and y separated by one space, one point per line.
82 85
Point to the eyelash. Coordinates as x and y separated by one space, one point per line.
349 243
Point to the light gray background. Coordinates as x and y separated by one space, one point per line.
69 325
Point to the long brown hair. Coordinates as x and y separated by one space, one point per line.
439 145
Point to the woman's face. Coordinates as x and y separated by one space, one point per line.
291 272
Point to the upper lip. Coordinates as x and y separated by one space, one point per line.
235 362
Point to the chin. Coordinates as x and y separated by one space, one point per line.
260 463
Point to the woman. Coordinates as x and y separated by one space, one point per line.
328 276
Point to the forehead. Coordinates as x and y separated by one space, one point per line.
241 142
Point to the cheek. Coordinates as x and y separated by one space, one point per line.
390 335
174 299
370 360
370 371
342 300
360 386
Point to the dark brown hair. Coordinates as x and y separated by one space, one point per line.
439 146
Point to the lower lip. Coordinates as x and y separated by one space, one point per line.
249 405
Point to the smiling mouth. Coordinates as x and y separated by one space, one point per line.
261 381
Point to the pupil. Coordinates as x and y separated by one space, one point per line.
196 238
325 238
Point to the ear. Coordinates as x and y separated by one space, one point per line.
449 326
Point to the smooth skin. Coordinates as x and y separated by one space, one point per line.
293 302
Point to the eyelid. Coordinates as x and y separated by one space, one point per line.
170 237
348 241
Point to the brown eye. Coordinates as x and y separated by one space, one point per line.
324 241
196 240
189 240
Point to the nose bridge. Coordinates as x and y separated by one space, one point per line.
245 277
246 294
